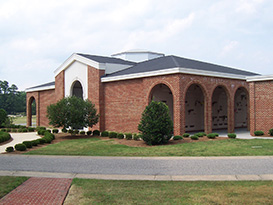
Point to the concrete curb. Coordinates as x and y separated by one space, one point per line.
264 177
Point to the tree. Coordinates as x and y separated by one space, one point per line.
72 112
3 117
156 125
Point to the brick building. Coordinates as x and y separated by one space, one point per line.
200 96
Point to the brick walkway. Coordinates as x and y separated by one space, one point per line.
39 191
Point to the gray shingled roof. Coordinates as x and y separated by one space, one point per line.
103 59
174 62
43 85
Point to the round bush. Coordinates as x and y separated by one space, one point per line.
200 134
4 136
3 129
136 136
128 136
82 132
120 136
55 131
20 147
64 130
47 139
270 132
105 134
76 132
194 137
41 141
89 132
31 129
186 135
8 130
258 133
28 144
177 137
34 143
24 130
232 135
9 149
41 132
50 135
96 133
14 130
113 134
212 135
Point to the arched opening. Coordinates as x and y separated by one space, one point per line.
241 102
219 109
31 112
194 109
77 89
162 93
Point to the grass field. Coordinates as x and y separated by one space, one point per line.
7 184
96 147
23 120
86 191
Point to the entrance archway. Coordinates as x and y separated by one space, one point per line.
241 101
194 109
162 93
77 90
31 112
219 109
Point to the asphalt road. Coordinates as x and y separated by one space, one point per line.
139 165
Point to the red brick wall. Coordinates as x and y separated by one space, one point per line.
261 106
59 86
126 100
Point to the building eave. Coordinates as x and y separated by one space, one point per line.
259 78
28 90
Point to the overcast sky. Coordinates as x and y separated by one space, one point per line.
36 37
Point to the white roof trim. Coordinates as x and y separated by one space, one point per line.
40 88
173 71
259 78
75 57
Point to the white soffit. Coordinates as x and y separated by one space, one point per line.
75 57
51 87
259 78
173 71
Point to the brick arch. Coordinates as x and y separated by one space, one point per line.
197 82
30 99
73 86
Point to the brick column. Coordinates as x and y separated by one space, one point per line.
208 113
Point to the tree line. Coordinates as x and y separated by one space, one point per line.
12 100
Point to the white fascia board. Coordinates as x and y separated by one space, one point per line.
75 57
51 87
259 78
173 71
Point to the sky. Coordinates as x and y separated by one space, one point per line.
36 37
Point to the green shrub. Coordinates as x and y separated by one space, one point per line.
70 131
25 130
8 130
3 129
50 135
9 149
96 133
20 147
105 134
28 144
76 132
4 136
34 143
64 130
31 129
212 135
136 136
177 137
270 132
20 130
232 135
258 133
113 134
120 136
200 134
82 132
156 125
128 136
41 141
55 131
186 135
40 128
41 131
14 130
89 132
47 139
194 137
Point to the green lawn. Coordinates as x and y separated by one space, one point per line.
7 184
23 120
96 147
89 191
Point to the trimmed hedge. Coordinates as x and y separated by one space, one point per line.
31 129
270 132
96 133
89 132
55 131
120 136
4 136
20 147
186 135
212 135
34 143
82 132
232 135
64 130
105 134
258 133
41 141
28 144
113 135
194 137
128 136
136 137
177 137
9 149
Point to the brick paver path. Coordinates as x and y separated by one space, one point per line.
39 191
